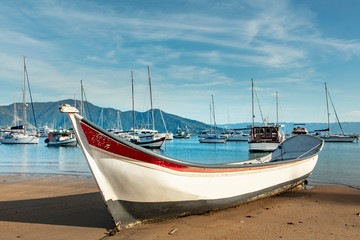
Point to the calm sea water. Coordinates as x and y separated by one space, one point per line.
339 163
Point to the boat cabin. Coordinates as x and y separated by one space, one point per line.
265 133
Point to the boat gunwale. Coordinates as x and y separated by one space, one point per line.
227 165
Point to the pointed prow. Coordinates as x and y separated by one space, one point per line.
66 108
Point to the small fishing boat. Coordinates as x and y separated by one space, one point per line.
169 136
265 137
149 140
139 185
182 134
299 129
143 137
61 139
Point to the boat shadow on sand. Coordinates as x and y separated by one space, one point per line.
81 210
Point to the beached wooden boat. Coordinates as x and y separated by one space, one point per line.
139 185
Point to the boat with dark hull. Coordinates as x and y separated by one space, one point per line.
140 185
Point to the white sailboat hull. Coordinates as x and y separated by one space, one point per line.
263 147
20 139
212 140
65 143
237 137
338 138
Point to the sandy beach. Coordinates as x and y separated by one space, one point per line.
71 207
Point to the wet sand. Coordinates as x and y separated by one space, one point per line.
70 207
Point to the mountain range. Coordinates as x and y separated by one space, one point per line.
48 114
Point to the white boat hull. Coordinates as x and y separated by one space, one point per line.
338 138
238 138
263 147
152 144
21 139
169 136
212 140
65 143
139 185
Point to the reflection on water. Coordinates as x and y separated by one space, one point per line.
339 163
40 159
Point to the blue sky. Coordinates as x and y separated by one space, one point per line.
194 48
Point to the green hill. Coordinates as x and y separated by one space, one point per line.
48 114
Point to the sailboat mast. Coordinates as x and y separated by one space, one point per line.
152 109
337 118
74 100
133 106
210 118
252 100
277 108
24 98
82 99
118 120
15 121
327 108
212 97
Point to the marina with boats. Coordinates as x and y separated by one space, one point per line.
127 120
131 167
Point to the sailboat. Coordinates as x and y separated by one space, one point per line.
265 137
18 134
329 137
148 138
181 133
213 137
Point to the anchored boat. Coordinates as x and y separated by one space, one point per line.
139 185
61 139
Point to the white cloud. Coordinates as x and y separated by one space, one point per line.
216 48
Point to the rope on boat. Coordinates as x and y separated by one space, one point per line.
308 151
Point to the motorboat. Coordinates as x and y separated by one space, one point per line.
61 139
299 129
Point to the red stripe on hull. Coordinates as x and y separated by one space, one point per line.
102 141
